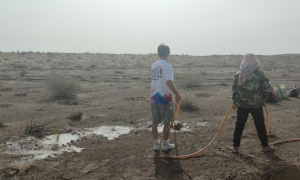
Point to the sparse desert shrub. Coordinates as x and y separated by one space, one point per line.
203 73
61 87
187 104
192 81
119 72
4 75
23 72
50 54
88 69
79 67
223 84
6 89
37 68
135 78
285 75
57 129
18 66
113 60
93 66
53 66
36 131
76 116
122 64
138 64
21 94
203 95
2 125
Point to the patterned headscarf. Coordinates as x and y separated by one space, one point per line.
249 64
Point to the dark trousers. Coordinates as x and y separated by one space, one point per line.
242 116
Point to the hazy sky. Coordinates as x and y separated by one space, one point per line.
197 27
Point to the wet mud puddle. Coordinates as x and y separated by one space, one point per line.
31 148
178 126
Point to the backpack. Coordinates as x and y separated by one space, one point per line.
294 92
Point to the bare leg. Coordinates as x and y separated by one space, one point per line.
166 133
154 131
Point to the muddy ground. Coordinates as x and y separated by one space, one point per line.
115 90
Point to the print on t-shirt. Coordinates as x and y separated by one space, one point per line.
157 73
161 73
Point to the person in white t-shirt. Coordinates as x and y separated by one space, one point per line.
161 97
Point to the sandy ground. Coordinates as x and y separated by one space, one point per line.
115 90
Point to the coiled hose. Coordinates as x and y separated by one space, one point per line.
216 135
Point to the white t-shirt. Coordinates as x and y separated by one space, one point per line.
162 72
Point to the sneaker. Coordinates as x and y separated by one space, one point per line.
167 146
234 149
156 146
267 148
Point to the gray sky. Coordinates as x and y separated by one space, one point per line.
196 27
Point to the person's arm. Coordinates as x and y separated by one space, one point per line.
234 90
169 79
265 86
234 87
174 90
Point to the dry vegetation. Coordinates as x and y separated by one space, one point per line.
187 104
61 87
76 116
111 89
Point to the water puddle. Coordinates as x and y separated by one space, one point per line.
205 123
111 132
31 148
177 126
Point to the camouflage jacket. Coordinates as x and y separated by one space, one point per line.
251 94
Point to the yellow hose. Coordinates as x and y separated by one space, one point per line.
215 137
280 141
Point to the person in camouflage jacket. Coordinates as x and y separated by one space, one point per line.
254 91
250 91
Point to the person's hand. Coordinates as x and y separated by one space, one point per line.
233 105
177 98
264 101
